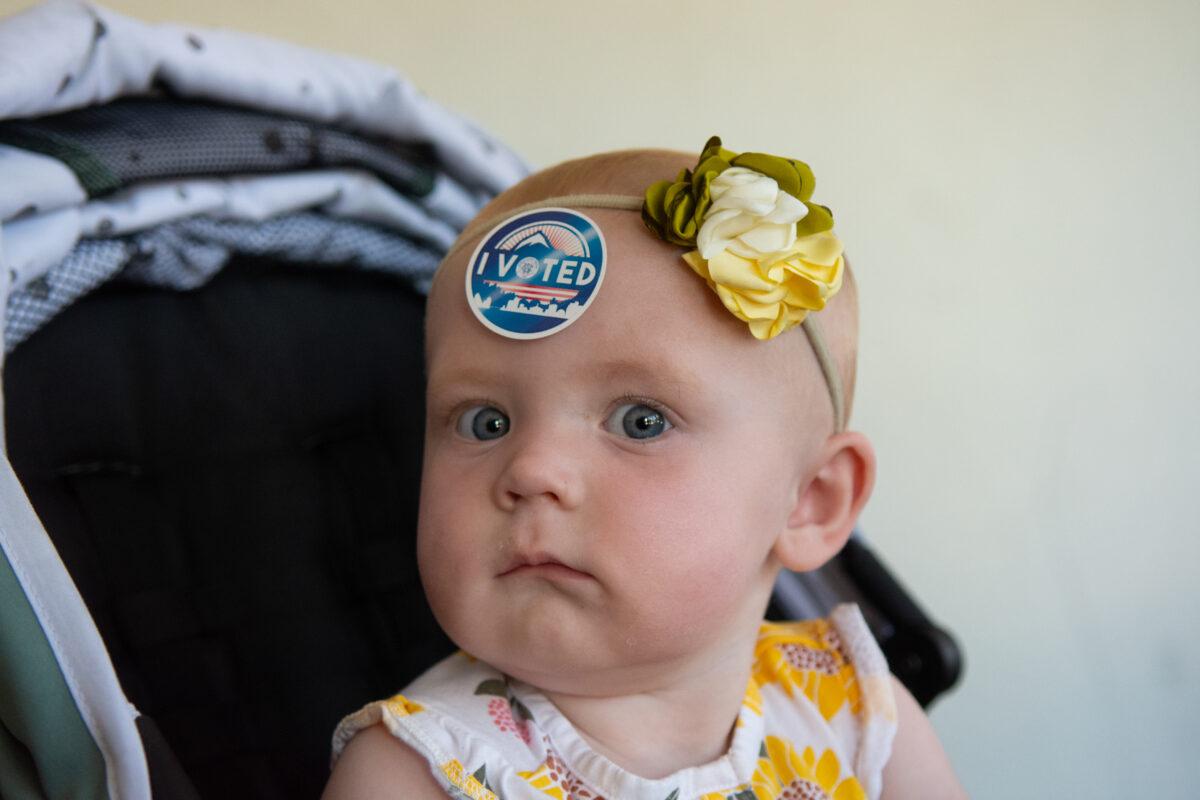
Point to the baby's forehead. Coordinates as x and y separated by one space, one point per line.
650 310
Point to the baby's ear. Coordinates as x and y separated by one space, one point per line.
828 503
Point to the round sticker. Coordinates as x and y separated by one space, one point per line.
536 272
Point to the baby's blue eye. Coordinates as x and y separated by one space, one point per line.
483 423
638 421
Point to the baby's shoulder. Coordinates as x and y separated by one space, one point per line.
460 694
462 719
377 765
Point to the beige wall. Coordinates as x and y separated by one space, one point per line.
1018 185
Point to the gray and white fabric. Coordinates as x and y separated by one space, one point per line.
187 253
133 140
68 54
344 206
34 183
31 243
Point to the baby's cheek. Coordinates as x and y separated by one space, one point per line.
713 577
449 560
699 579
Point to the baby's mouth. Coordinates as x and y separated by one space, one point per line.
541 565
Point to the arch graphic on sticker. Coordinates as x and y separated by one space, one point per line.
536 272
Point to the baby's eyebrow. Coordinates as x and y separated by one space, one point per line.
659 376
648 372
463 374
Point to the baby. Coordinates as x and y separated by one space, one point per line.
633 424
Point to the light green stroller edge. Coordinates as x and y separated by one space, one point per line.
66 729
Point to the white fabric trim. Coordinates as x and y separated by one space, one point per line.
878 714
77 645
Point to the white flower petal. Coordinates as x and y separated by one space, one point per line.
736 247
749 254
787 209
766 237
757 197
719 228
735 224
736 175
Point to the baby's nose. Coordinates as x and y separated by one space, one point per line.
542 465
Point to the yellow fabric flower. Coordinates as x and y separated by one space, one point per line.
775 292
802 657
780 769
760 244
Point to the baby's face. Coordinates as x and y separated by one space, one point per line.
602 502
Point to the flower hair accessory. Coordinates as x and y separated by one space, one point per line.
761 245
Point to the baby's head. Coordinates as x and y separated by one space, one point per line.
608 497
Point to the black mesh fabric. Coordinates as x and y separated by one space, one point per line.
138 139
231 477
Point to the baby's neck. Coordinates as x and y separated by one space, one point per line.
655 733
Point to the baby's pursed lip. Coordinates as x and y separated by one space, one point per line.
540 564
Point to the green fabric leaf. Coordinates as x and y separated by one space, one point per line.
818 219
494 686
793 177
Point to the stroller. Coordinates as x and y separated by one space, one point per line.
216 248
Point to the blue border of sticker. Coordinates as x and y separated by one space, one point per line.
536 272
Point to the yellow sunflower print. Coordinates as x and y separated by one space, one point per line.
753 700
806 656
781 770
555 779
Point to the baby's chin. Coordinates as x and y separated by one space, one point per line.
578 676
549 669
582 665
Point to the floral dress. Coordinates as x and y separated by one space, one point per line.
817 722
